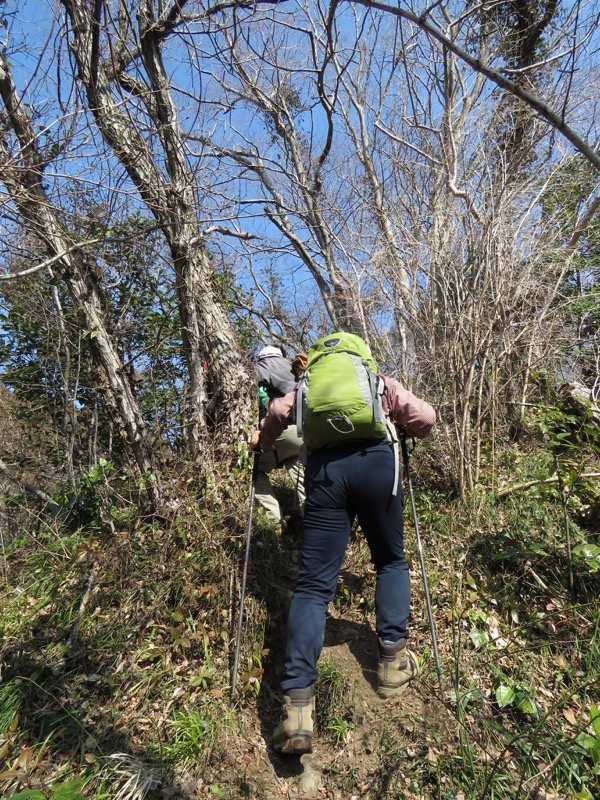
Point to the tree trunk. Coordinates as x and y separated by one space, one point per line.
219 381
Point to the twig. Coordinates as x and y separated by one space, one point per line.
563 500
41 495
528 484
4 562
82 606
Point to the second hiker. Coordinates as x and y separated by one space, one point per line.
276 378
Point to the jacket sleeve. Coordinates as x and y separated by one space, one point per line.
414 415
280 415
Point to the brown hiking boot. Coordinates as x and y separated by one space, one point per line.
294 733
397 666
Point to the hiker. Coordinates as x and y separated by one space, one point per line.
276 377
353 475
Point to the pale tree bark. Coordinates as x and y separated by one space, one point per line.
359 111
459 337
487 289
220 385
64 358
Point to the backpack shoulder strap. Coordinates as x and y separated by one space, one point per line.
392 433
393 437
378 389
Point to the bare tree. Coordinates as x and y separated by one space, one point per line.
348 164
289 150
22 171
121 68
440 23
359 118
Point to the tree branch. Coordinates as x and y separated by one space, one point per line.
528 484
533 101
27 487
77 246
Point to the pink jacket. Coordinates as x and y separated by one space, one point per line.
415 416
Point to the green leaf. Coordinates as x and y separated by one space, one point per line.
479 638
505 695
592 744
587 741
29 794
591 555
526 704
69 790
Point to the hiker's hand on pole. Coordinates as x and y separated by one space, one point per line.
254 442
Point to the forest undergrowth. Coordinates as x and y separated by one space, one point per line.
118 631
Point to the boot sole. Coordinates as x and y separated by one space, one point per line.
384 692
294 746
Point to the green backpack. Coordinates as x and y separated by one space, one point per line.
339 396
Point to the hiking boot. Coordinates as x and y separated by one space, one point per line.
294 733
397 666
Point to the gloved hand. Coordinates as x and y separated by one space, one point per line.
254 443
299 365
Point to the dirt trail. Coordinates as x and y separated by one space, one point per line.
417 723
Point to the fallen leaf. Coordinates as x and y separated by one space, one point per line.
25 757
10 773
569 715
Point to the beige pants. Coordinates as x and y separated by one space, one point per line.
284 453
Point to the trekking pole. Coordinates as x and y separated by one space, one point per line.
238 639
422 560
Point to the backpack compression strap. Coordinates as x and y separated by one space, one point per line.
393 436
299 406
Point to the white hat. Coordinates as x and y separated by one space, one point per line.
270 351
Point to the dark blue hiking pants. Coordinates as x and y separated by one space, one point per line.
348 481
